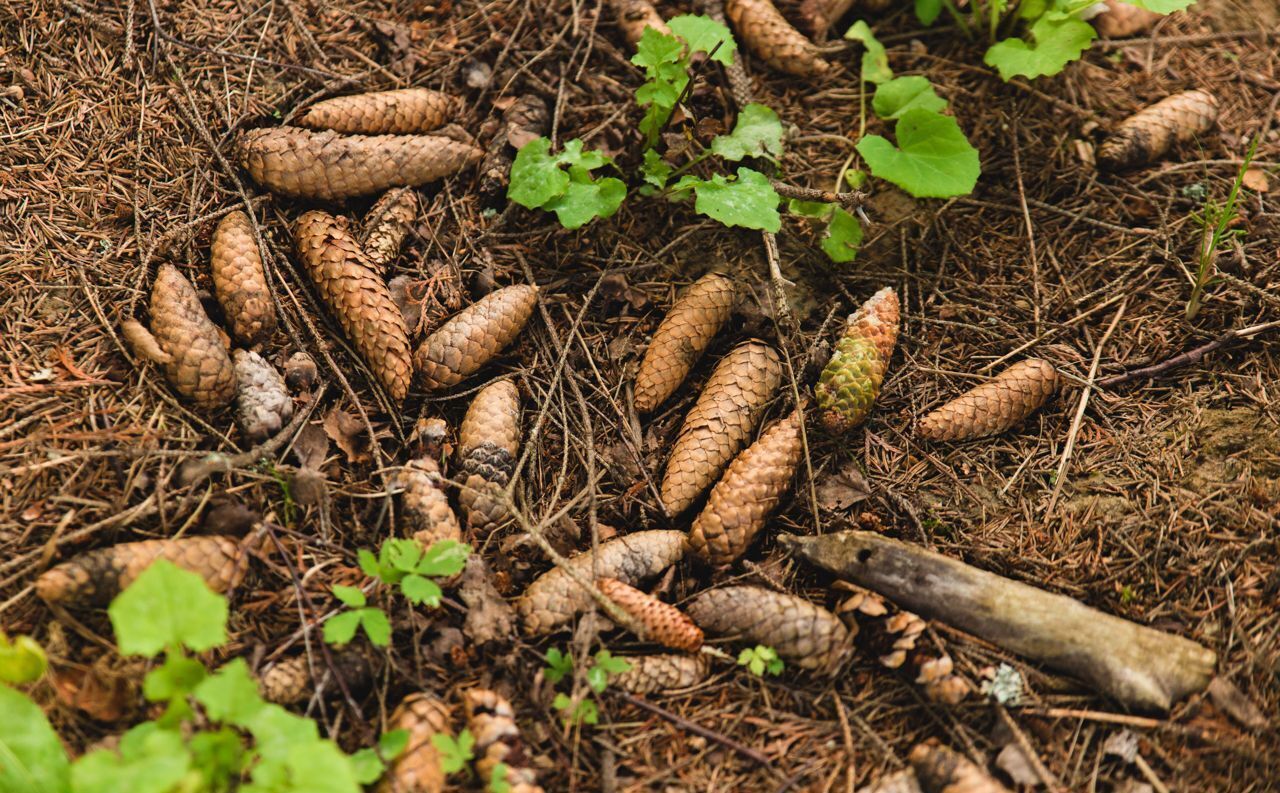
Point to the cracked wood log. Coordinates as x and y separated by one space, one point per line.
1139 666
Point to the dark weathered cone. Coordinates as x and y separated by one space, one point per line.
1121 20
400 112
474 336
526 120
489 617
850 384
240 281
488 442
772 38
263 404
994 406
386 225
417 769
289 681
694 320
300 372
662 622
196 360
634 16
427 513
492 721
651 674
1150 133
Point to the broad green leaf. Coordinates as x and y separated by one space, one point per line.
810 209
367 766
1056 43
875 61
392 744
403 554
444 558
612 666
574 155
150 761
421 590
536 177
1032 9
1162 6
369 563
933 159
758 132
655 170
927 11
219 754
559 664
843 237
341 628
22 660
168 607
351 596
655 49
31 756
376 626
455 753
319 767
748 201
703 34
901 94
176 677
587 199
655 117
231 694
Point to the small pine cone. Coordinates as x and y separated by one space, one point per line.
554 598
943 770
807 635
683 336
994 406
300 372
1121 20
474 335
386 225
328 166
721 422
358 297
240 281
817 16
93 579
850 383
488 442
426 506
289 681
652 674
492 721
263 404
1149 134
750 489
634 16
526 120
772 38
662 622
198 367
406 111
417 769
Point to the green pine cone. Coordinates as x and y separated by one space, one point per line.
850 383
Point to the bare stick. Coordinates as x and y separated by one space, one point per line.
849 201
1189 357
697 729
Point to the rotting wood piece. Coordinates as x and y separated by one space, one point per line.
417 769
474 336
404 111
652 674
771 37
492 721
681 338
488 442
1139 666
240 281
1149 134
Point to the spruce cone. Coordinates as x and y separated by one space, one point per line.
427 513
943 770
300 372
357 296
817 16
263 404
488 442
554 598
662 622
93 579
681 339
634 16
748 492
492 721
1149 134
474 336
328 166
772 38
240 281
526 120
721 422
994 406
198 365
289 681
1121 20
850 383
403 112
386 225
651 674
417 769
807 635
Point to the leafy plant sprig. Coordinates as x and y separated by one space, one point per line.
761 659
1215 229
540 179
586 710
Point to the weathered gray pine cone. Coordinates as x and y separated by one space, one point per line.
263 404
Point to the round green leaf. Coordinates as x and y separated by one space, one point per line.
933 159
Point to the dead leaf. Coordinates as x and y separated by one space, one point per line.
102 692
1256 179
1232 701
309 488
489 617
311 447
844 488
1013 761
349 433
409 294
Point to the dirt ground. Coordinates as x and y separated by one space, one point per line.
115 135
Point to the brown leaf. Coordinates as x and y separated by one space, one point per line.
103 693
311 447
349 433
489 616
844 488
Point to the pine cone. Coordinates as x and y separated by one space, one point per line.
406 111
198 365
240 281
681 339
771 38
488 442
526 120
898 782
263 404
817 16
357 296
417 769
662 622
474 336
750 489
807 635
942 770
93 579
994 406
721 422
554 598
651 674
300 372
427 512
634 16
1121 20
850 383
328 166
386 225
492 721
1149 134
289 681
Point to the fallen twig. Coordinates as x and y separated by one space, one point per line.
696 729
849 201
1187 358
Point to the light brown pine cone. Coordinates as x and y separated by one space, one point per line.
417 769
289 681
651 674
1149 134
427 513
401 112
694 320
634 16
1121 20
492 721
197 364
386 225
994 406
474 336
263 404
240 282
772 38
662 622
488 442
943 770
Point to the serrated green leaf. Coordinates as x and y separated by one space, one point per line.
597 679
933 159
349 595
655 49
758 132
176 677
168 607
654 169
230 695
655 117
276 730
376 626
1056 43
421 590
927 11
369 563
150 761
22 660
536 177
403 554
31 756
875 61
559 664
704 34
901 94
611 666
774 666
587 199
311 767
843 237
748 201
1162 6
341 628
444 558
587 712
498 779
455 753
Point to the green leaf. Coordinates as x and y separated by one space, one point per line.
31 756
749 201
367 766
230 695
611 666
654 119
810 209
219 755
455 753
403 555
22 660
875 61
655 170
1057 43
855 178
421 590
176 677
168 607
536 177
276 731
656 49
933 159
587 711
369 563
392 744
843 237
703 35
559 664
341 628
151 760
586 199
927 11
311 767
1161 6
376 626
758 132
498 779
774 666
444 558
351 596
901 94
597 679
562 701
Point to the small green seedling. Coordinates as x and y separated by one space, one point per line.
761 659
455 753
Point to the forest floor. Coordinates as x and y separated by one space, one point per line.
116 150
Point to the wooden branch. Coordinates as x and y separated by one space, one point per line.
1138 666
